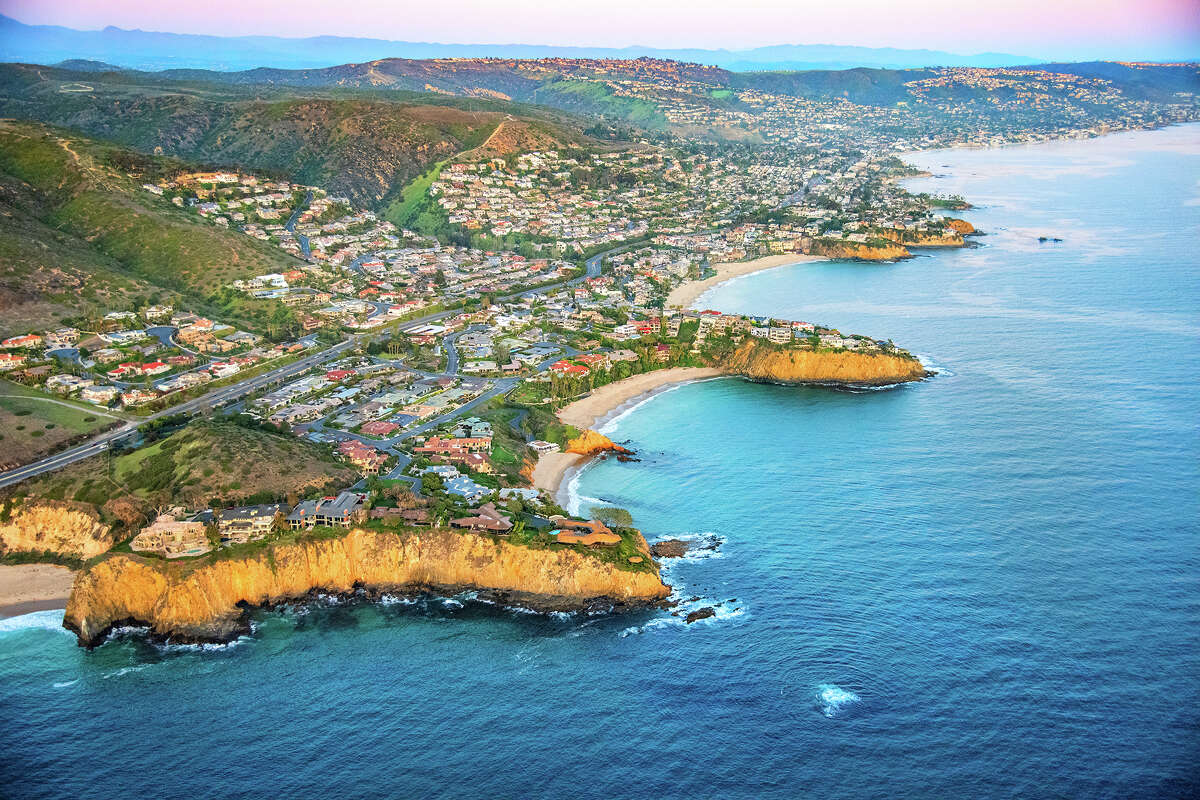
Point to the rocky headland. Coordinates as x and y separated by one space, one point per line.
206 599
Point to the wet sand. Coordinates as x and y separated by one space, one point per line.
25 588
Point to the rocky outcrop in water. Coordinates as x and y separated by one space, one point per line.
760 361
591 443
203 600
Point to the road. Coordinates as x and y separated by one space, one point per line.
212 399
290 227
228 394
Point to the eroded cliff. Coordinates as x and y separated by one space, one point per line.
57 528
863 252
760 361
204 599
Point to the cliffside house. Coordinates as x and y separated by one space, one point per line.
172 538
248 523
486 518
575 531
342 511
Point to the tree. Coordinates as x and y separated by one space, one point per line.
612 516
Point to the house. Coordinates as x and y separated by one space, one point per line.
486 518
590 534
367 459
540 447
335 375
379 428
11 361
28 340
172 538
247 523
330 512
100 395
449 446
567 369
466 488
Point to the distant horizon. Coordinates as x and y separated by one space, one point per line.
1046 31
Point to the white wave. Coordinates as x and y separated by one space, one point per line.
65 684
831 699
707 545
724 613
37 620
125 671
932 366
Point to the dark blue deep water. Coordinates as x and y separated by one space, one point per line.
984 585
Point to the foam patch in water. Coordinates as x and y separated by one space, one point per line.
38 620
831 699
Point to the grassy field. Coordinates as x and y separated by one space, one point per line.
403 210
33 425
207 460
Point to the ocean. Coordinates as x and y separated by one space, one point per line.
983 585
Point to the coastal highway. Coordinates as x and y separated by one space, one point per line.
212 399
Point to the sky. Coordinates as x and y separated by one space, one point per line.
1051 29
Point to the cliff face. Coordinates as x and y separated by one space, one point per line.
762 362
55 527
199 601
591 443
961 225
862 252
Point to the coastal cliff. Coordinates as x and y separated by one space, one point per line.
762 362
204 599
831 248
56 528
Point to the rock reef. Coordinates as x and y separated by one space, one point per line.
205 600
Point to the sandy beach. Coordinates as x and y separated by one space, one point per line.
685 294
603 403
25 588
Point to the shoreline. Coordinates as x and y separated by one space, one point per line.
25 588
554 470
687 293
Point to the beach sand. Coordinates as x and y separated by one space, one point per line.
684 295
592 411
25 588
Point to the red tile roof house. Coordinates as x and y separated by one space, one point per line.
339 374
378 428
594 360
28 340
466 444
567 368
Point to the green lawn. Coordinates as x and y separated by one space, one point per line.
34 424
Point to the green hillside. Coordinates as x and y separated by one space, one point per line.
78 235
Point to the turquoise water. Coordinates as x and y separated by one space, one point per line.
985 585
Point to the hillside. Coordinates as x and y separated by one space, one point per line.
365 145
78 234
208 460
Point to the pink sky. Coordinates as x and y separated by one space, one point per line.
1040 28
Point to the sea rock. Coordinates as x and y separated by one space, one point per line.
669 548
699 614
591 443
